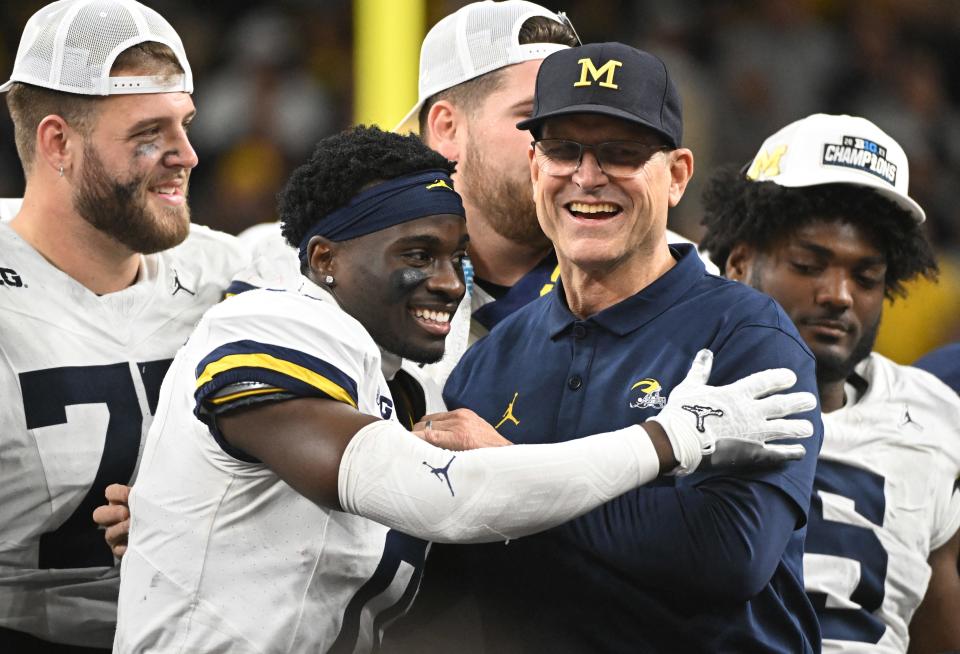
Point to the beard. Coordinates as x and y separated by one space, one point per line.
833 369
119 209
505 201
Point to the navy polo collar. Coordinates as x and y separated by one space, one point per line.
639 309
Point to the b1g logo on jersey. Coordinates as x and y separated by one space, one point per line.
862 154
9 277
386 406
645 394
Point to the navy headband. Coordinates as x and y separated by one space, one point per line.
395 201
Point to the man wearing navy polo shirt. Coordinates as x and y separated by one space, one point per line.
704 562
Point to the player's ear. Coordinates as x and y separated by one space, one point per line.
321 255
56 144
740 262
681 170
445 129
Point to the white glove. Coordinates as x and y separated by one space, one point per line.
729 426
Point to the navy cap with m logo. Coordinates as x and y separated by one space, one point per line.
612 79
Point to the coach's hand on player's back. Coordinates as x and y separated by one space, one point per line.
730 426
458 430
114 518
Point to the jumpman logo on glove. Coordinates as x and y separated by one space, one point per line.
702 412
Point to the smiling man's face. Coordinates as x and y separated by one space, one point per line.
597 221
135 168
403 284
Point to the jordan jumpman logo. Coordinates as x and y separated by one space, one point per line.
702 412
443 473
178 286
508 414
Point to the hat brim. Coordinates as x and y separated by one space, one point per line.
906 202
903 201
602 109
410 122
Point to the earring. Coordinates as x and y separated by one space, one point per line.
61 171
328 280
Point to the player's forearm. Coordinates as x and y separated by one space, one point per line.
488 494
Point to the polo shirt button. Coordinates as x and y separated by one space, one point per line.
579 331
574 383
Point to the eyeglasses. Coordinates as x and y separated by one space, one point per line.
561 157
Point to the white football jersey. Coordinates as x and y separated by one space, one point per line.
885 497
79 376
224 555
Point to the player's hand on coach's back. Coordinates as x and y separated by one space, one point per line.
114 518
731 426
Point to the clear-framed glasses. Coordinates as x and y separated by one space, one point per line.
562 157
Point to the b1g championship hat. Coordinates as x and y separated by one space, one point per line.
70 46
478 38
612 79
825 149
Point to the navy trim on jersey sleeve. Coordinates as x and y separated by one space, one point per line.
275 366
282 373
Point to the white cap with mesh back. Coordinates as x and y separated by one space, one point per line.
826 149
474 40
70 46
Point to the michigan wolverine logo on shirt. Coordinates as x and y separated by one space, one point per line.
608 69
645 394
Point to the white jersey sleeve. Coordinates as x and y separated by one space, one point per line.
80 375
224 555
885 497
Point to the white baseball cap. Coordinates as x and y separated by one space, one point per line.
70 46
825 149
474 40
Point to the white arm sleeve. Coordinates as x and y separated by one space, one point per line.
389 475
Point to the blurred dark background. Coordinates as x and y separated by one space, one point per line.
271 78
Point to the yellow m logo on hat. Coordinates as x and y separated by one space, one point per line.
767 164
608 69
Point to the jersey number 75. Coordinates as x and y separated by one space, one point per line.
77 543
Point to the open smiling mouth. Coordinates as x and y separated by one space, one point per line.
172 193
435 321
594 210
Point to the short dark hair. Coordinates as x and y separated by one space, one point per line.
738 210
344 164
470 94
29 104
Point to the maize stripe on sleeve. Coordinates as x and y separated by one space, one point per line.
277 366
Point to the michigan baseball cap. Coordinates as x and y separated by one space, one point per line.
826 149
611 79
70 46
478 38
